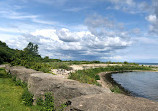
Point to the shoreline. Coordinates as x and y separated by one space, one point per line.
107 81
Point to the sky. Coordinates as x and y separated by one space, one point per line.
104 30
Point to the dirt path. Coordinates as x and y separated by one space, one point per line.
104 83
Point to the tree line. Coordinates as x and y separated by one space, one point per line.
28 57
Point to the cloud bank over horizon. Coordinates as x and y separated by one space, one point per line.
83 30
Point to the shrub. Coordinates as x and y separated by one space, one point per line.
27 98
115 89
48 104
14 78
18 82
23 84
40 101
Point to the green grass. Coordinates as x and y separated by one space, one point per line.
115 89
91 76
10 95
59 65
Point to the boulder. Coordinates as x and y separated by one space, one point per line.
112 102
62 89
21 72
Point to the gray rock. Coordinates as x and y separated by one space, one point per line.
112 102
21 72
63 89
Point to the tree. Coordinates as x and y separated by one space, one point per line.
5 53
32 49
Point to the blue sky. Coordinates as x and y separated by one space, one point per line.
115 30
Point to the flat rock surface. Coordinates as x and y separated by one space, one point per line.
63 89
112 102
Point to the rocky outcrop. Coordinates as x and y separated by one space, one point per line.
112 102
63 89
20 72
83 97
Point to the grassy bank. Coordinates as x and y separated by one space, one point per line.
10 95
91 76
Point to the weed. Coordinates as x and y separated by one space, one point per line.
18 82
49 102
14 78
115 89
39 101
27 98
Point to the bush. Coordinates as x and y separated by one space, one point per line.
39 101
115 89
14 78
18 83
48 104
27 98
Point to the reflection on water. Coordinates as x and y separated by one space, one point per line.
141 84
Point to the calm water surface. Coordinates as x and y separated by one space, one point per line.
141 84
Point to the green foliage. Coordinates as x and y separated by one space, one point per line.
27 98
39 101
70 62
125 62
91 76
32 49
59 65
61 107
5 53
29 60
115 89
48 104
20 83
14 78
10 95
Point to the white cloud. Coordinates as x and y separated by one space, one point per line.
67 36
131 6
152 18
102 38
15 15
76 9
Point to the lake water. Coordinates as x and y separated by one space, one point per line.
148 63
140 84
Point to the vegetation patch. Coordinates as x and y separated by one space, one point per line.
91 76
27 98
47 103
115 89
11 94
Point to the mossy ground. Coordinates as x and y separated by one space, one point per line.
10 95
